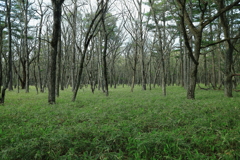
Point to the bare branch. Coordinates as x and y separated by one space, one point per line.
223 40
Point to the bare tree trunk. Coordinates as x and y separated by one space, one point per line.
57 5
26 44
182 65
1 47
105 55
160 50
213 78
227 73
35 77
150 73
9 67
45 81
59 64
99 68
228 86
105 67
134 68
186 67
192 82
39 46
205 70
214 81
74 45
89 35
141 45
194 68
143 74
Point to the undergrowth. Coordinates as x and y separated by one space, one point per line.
143 125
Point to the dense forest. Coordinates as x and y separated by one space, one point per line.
119 79
107 43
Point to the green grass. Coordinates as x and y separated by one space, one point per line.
139 125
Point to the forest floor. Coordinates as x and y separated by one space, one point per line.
143 125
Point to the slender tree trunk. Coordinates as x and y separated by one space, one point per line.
205 70
59 64
141 45
219 72
214 81
134 68
156 76
18 79
1 47
99 74
9 67
39 50
45 81
192 82
105 66
89 35
35 77
228 53
143 74
63 78
150 73
23 82
74 46
105 48
185 69
57 5
194 67
181 63
228 86
79 76
26 44
160 50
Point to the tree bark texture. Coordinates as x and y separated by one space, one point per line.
9 67
26 52
105 54
57 5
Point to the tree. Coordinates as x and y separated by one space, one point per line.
25 5
132 30
229 45
71 17
90 33
138 34
196 30
57 13
106 35
141 40
3 25
9 67
160 47
41 13
22 34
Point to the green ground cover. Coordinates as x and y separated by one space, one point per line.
139 125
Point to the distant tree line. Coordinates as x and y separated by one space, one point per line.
107 43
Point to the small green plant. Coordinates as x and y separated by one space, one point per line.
140 125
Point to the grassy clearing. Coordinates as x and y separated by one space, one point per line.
140 125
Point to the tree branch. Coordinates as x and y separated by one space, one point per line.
227 8
223 40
